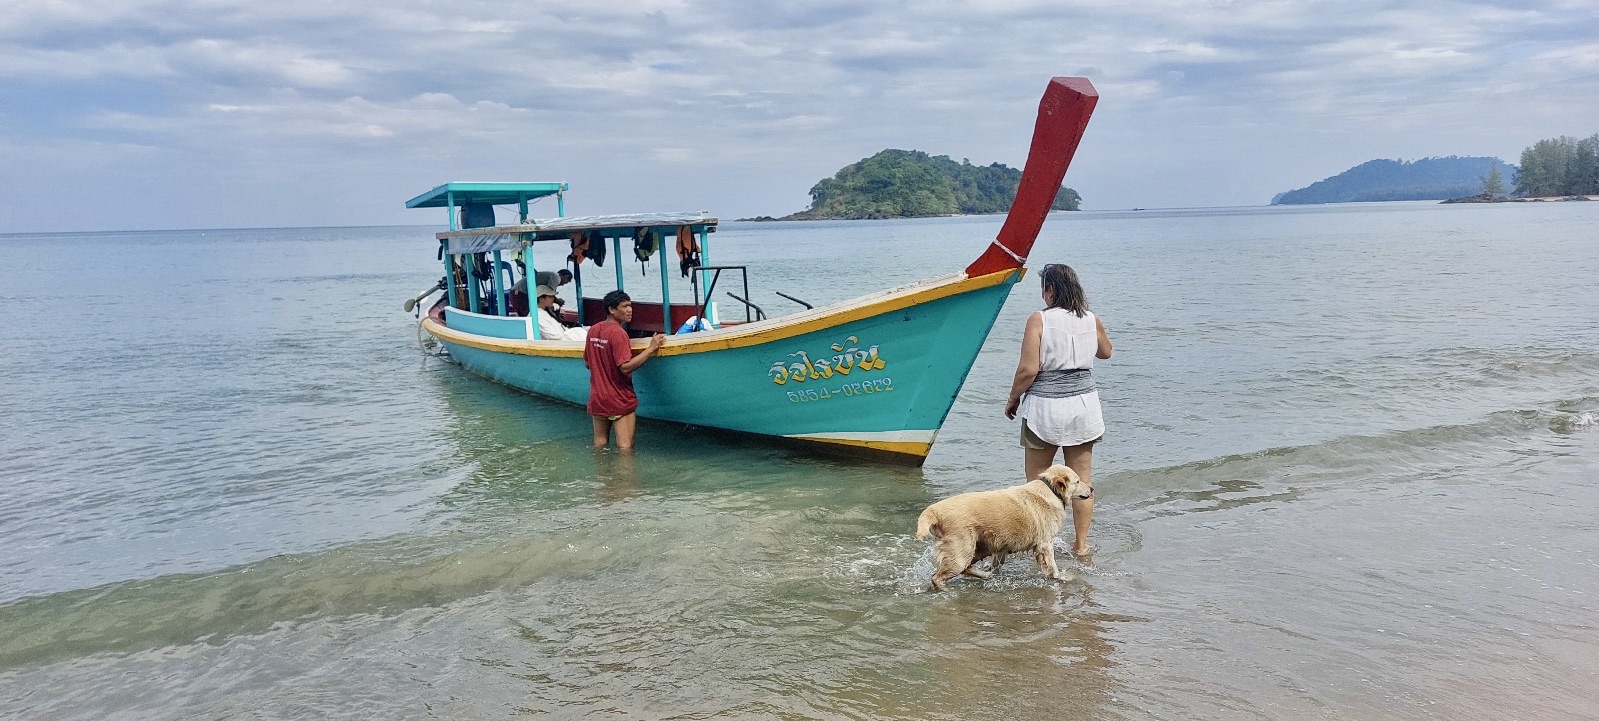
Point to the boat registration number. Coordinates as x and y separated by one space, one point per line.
863 388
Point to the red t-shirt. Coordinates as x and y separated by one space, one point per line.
610 390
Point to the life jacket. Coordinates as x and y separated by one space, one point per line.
580 248
645 243
587 245
596 249
688 249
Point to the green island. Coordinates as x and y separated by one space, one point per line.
913 184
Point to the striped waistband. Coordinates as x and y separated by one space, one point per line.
1062 383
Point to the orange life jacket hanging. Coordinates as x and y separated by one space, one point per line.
588 244
580 246
688 249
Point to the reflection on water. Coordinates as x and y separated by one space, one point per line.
613 469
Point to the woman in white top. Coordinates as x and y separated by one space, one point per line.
1054 391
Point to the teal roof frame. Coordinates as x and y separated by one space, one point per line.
484 192
510 237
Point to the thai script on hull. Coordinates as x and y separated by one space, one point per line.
847 357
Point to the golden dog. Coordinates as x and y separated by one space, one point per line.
973 526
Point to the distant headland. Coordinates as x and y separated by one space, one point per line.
1382 180
913 184
1563 168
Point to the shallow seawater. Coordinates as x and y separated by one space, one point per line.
1351 470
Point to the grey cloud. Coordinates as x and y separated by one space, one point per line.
692 92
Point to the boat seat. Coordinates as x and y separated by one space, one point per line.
646 316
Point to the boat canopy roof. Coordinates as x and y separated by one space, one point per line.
506 237
480 192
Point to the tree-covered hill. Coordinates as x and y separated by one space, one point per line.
911 183
1377 180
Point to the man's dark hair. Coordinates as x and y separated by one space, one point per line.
564 273
614 299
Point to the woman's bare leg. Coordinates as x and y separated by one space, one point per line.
1081 459
602 431
1037 460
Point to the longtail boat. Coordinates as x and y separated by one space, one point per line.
874 375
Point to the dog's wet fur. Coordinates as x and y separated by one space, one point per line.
993 524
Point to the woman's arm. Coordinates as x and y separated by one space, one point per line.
1027 367
1104 340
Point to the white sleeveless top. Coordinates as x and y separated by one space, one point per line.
1068 342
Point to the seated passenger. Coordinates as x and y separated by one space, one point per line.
550 328
551 278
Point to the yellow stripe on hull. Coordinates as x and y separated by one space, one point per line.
913 449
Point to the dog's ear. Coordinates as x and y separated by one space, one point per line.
1058 474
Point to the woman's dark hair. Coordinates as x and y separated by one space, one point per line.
614 299
1064 289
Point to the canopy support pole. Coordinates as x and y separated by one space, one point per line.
499 288
528 277
705 259
449 274
666 290
616 258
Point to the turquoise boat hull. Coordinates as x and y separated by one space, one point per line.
875 376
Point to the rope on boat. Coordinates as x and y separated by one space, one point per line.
429 345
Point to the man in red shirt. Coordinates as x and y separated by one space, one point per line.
611 363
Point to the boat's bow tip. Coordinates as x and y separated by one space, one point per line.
1063 115
1075 83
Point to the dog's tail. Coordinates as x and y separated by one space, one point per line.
928 523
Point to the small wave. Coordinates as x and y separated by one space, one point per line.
1502 364
1573 422
1286 474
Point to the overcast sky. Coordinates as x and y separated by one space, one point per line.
121 114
